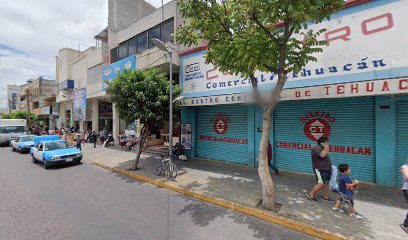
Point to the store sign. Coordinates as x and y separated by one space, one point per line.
380 28
317 125
220 124
354 89
46 110
79 105
356 150
13 101
111 71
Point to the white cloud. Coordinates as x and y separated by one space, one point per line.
36 30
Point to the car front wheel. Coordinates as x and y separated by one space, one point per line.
33 159
46 164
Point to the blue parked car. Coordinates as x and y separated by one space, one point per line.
22 143
50 150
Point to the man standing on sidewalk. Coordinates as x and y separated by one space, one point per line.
322 168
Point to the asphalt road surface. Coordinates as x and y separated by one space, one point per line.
86 202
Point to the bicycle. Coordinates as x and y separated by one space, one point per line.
167 166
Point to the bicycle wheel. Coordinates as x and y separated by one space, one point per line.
171 172
157 168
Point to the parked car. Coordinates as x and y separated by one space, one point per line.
11 129
22 143
50 150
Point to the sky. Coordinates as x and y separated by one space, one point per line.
32 32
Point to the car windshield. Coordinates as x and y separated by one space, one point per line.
12 129
26 139
56 145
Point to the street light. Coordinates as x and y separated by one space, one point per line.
160 45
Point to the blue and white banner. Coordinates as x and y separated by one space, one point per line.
79 105
111 71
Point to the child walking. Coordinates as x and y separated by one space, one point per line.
346 187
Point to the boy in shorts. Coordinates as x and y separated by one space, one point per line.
346 186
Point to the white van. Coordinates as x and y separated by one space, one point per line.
11 129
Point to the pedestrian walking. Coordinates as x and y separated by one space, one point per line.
78 141
404 171
270 162
346 187
322 169
101 134
94 138
122 140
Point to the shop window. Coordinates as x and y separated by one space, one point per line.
132 46
123 51
167 30
142 43
153 33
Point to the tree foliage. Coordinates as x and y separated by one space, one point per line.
144 95
22 115
5 116
247 36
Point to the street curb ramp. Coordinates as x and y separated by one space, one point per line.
261 214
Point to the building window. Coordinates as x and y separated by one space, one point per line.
123 51
153 33
167 31
142 43
132 46
114 55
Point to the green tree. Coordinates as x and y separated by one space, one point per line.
5 116
22 115
144 95
257 35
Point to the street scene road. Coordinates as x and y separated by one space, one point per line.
85 202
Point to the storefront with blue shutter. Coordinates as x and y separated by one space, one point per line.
222 133
349 123
401 136
358 97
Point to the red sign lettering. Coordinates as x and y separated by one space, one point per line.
403 84
387 16
345 33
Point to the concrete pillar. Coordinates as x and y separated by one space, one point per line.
385 134
95 114
116 124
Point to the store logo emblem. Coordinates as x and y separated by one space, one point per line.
220 123
194 67
317 125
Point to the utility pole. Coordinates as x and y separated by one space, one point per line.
28 116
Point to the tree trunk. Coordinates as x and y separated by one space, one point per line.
268 187
144 133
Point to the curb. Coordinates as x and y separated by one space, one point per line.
288 223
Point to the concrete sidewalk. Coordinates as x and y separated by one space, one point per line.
383 209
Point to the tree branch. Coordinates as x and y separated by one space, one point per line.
256 20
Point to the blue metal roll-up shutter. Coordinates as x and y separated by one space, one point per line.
352 134
402 136
231 146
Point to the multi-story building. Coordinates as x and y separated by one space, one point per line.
126 41
43 98
25 101
72 67
134 43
